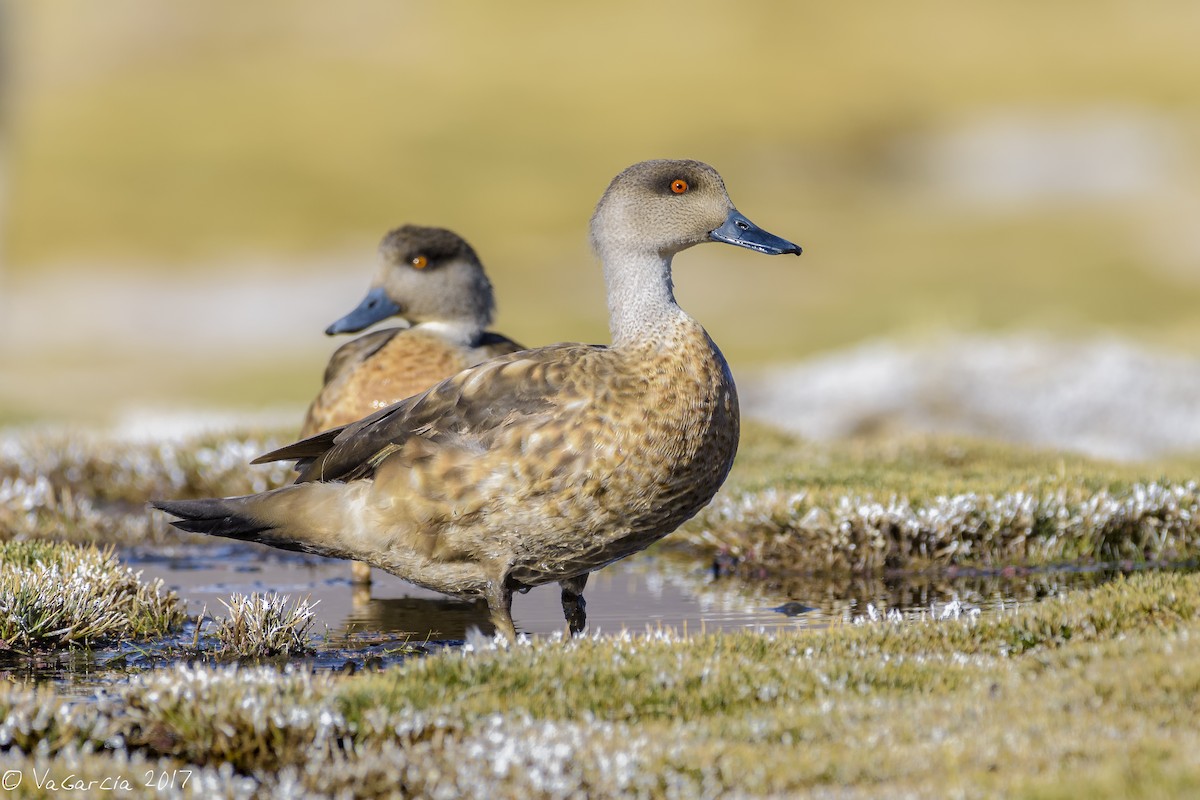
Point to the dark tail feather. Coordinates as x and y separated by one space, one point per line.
215 517
221 517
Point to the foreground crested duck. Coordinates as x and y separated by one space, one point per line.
432 278
542 465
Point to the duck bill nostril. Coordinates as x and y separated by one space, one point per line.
739 231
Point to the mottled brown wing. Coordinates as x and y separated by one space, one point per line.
469 407
357 351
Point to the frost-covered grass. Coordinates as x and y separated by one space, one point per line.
110 469
1094 692
792 531
83 486
264 625
794 506
53 595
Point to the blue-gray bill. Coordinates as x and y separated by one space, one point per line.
738 230
374 307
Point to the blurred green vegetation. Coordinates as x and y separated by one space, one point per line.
147 137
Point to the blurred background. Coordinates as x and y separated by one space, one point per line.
190 193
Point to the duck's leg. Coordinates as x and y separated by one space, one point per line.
499 600
574 606
360 583
360 573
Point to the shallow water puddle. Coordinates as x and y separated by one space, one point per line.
356 629
647 591
823 600
634 594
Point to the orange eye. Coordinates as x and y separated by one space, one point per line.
420 262
679 186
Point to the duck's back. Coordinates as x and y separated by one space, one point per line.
386 366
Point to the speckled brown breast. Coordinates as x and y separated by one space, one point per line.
386 366
627 445
670 432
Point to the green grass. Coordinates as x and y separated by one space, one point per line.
1100 683
923 468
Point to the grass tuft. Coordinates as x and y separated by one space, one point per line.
54 595
262 626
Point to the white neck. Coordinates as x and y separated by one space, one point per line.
641 300
457 331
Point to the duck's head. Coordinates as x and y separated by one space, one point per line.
425 275
665 206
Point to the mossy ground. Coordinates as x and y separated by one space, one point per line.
1099 690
